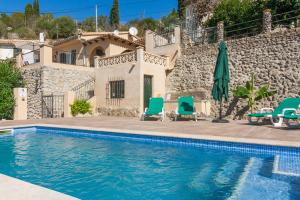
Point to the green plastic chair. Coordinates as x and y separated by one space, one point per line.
185 107
287 107
156 107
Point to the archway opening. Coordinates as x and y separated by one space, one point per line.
98 51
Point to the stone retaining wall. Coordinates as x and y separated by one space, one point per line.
47 80
273 57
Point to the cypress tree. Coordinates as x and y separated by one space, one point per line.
28 14
36 8
181 9
28 10
114 14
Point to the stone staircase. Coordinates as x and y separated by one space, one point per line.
85 90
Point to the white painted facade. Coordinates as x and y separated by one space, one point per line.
10 48
6 51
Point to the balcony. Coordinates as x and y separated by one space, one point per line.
132 57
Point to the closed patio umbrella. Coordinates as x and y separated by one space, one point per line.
221 79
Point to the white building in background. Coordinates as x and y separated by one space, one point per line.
10 48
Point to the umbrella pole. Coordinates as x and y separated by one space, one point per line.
220 110
220 119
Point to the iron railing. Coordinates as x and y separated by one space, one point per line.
203 35
243 29
52 106
85 90
289 19
165 38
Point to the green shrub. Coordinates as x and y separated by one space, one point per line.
10 78
80 107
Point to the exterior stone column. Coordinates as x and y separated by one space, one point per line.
46 54
19 60
267 21
140 54
96 63
20 110
220 31
149 40
185 39
69 98
177 34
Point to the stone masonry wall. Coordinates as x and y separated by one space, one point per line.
33 81
47 80
273 57
58 80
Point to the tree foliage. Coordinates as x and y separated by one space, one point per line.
64 27
169 21
141 25
236 11
36 8
252 93
45 23
17 20
89 24
28 14
114 14
10 77
240 11
181 9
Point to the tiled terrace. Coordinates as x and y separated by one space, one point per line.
238 131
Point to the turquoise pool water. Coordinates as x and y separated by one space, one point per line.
117 168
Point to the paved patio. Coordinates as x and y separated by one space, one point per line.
238 131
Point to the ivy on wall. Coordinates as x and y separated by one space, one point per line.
10 78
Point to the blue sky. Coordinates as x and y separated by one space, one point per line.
80 9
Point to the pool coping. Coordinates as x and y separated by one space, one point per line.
16 189
169 134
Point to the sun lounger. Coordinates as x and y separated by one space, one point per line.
185 107
156 107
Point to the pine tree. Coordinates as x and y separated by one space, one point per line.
114 14
36 8
181 9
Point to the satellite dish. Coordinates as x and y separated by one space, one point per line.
116 32
133 31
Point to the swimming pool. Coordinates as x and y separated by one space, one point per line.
103 165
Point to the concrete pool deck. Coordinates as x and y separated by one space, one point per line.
235 131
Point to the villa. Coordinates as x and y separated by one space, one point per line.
118 72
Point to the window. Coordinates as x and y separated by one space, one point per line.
117 89
68 57
73 57
63 57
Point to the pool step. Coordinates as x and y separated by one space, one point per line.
287 165
6 132
217 175
254 186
